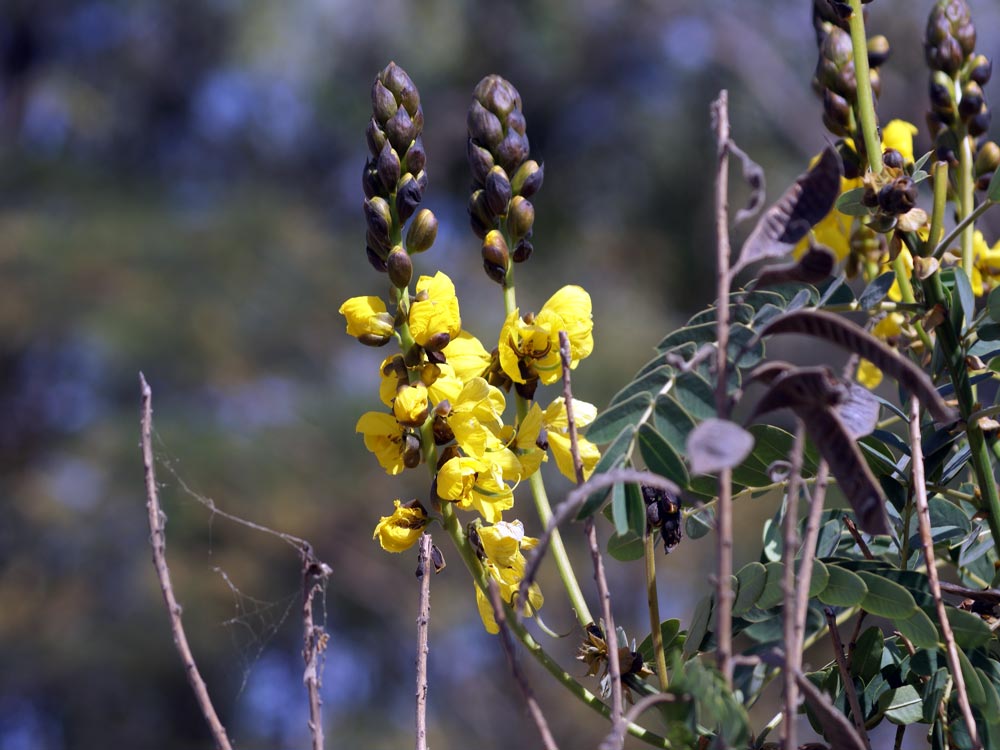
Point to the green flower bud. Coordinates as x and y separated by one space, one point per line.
422 232
401 130
408 197
520 218
496 256
378 216
523 251
484 126
415 158
400 268
988 159
383 102
878 50
528 178
388 167
972 100
979 124
497 191
480 162
980 69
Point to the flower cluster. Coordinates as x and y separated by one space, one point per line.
445 394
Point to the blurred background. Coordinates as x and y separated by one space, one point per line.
180 194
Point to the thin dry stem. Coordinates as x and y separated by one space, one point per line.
808 552
923 517
424 568
845 676
314 575
158 541
616 737
508 647
858 539
793 656
724 561
610 633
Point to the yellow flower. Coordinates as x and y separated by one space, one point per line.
557 426
898 135
525 441
434 315
890 327
476 485
869 375
534 343
392 373
467 356
383 437
410 405
367 320
401 530
894 292
503 545
986 265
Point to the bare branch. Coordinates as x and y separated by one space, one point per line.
924 519
424 568
845 676
508 647
858 539
314 576
616 737
793 656
158 541
724 560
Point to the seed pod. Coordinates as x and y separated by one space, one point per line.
988 159
520 218
972 100
378 216
408 196
981 69
480 162
523 251
484 126
496 256
400 267
527 180
497 191
388 167
422 232
401 130
415 158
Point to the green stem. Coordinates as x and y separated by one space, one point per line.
940 172
457 534
653 601
906 292
965 204
965 224
866 102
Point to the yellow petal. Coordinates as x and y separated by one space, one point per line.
438 313
898 134
467 356
869 375
401 530
366 316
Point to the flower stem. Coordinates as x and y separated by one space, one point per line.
866 101
906 292
965 202
654 610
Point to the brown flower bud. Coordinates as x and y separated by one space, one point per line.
401 86
408 197
415 158
370 183
979 123
375 137
520 218
400 267
480 162
441 430
411 451
892 158
401 130
527 180
497 191
383 102
496 256
987 159
523 251
480 216
878 50
497 95
422 232
512 151
972 100
981 69
899 196
376 260
484 126
378 216
388 167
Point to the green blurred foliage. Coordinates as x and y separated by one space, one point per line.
180 194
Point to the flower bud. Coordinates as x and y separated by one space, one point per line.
496 256
411 451
836 110
899 196
383 102
988 159
401 86
981 70
441 430
972 100
378 216
520 218
375 137
410 406
497 95
422 232
480 162
980 123
835 69
528 178
369 180
400 130
878 50
400 267
512 151
497 191
484 126
377 261
415 158
523 251
388 167
480 217
876 81
437 342
408 197
892 158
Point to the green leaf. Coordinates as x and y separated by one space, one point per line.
919 629
700 523
669 630
626 547
843 589
933 693
717 444
886 598
850 203
660 458
819 580
752 578
613 457
902 705
969 630
977 696
772 595
991 711
695 395
965 296
672 422
619 510
867 658
875 292
612 421
635 507
652 382
699 626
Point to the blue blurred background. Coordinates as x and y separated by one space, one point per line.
180 194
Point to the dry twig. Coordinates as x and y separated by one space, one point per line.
845 676
924 519
424 568
314 575
158 541
793 656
